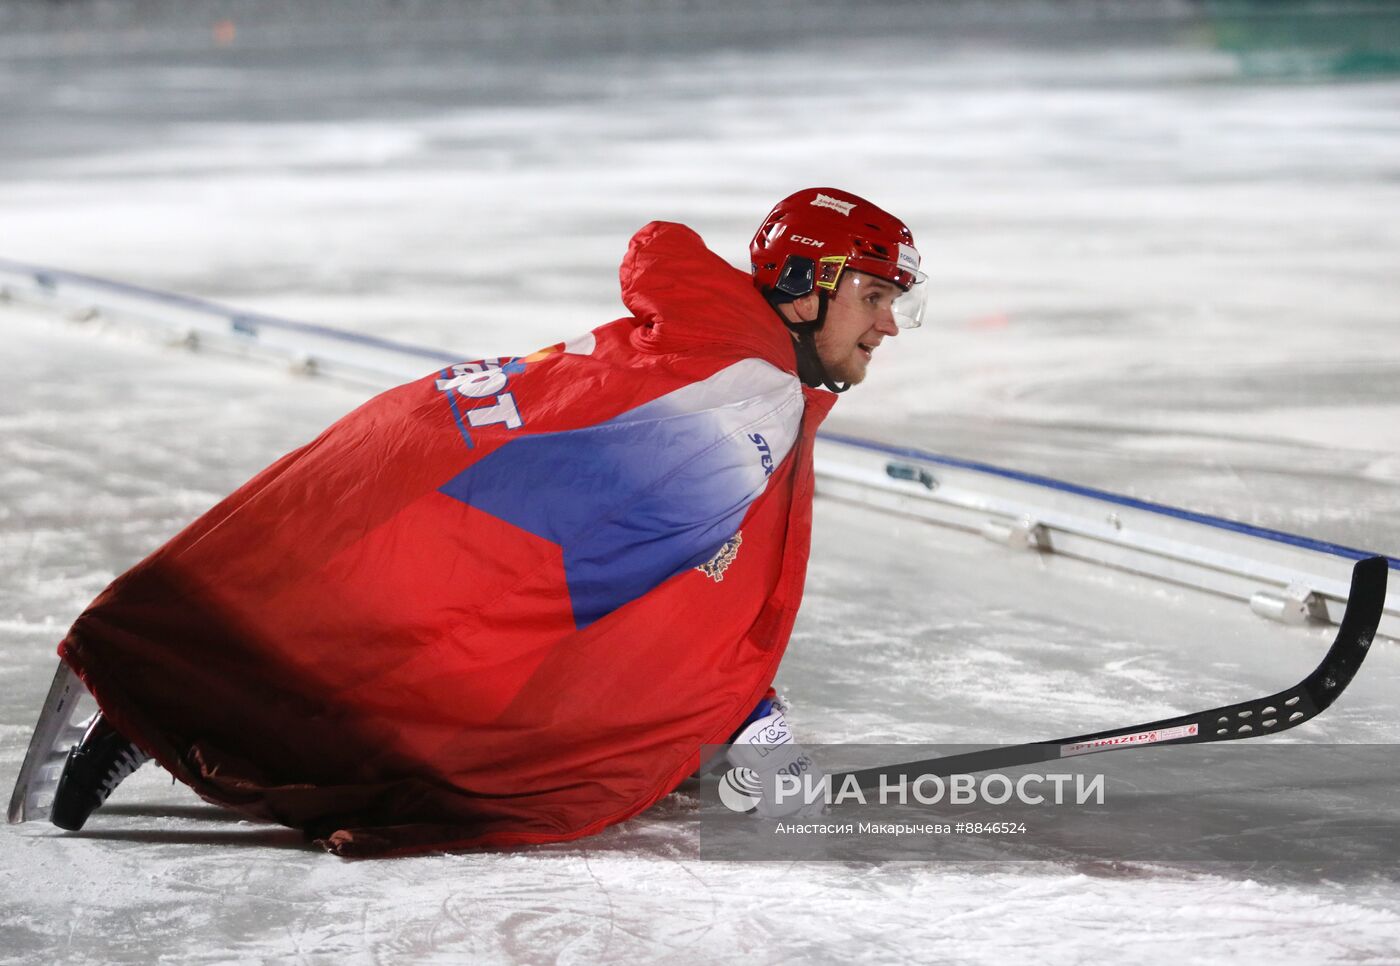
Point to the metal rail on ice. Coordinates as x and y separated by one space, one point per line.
199 324
1282 576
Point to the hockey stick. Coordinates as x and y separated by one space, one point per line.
1247 719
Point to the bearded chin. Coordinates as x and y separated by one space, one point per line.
850 371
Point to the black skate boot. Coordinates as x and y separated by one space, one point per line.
95 767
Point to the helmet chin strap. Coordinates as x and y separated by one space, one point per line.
810 368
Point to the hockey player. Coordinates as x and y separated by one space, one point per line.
511 601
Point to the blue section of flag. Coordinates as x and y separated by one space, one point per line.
630 502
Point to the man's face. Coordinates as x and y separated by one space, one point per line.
858 318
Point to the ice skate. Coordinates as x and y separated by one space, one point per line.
67 712
95 767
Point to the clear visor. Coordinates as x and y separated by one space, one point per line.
905 304
908 304
908 308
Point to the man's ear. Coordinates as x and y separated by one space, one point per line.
807 307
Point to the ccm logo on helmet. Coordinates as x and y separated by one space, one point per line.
806 241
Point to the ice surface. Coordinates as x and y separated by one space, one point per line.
1150 275
909 634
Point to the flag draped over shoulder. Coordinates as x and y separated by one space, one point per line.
505 603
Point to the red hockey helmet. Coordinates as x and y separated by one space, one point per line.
810 238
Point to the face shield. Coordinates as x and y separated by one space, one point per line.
910 284
908 308
904 294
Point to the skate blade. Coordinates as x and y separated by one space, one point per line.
67 711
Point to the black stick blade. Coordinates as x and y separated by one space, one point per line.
1282 710
1247 719
1365 604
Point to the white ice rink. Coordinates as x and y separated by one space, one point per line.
1151 274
